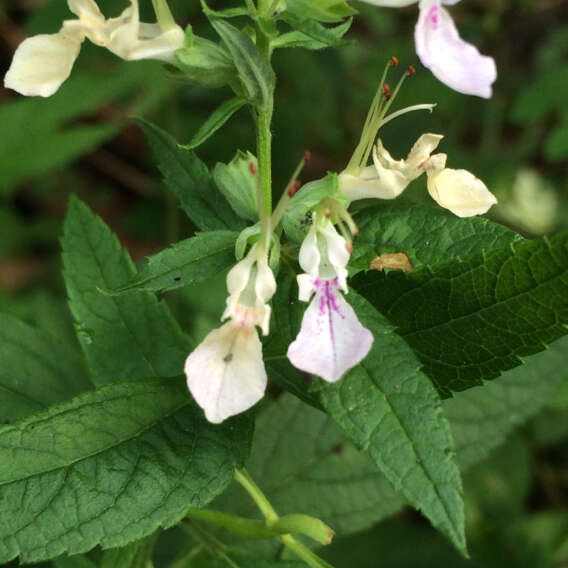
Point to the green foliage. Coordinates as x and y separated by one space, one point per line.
322 10
37 370
38 134
389 408
429 236
118 462
189 261
124 338
304 459
472 318
215 121
189 179
310 34
256 76
238 182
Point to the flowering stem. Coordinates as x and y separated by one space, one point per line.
245 480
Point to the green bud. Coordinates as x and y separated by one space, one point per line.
238 182
205 62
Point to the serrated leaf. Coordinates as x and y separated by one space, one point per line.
427 235
124 338
322 10
187 262
110 467
190 181
482 418
471 319
216 120
36 370
305 463
257 77
325 37
390 409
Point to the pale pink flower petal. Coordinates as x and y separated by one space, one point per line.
453 61
225 373
331 340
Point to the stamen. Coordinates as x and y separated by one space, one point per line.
427 106
411 71
252 168
394 61
294 188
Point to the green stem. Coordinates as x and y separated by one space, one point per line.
238 525
243 478
208 541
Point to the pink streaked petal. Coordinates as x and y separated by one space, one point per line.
453 61
331 340
225 373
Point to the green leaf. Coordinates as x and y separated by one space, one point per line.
470 319
427 235
217 119
257 77
124 338
189 261
137 554
77 561
483 418
304 463
238 182
190 181
37 370
322 10
390 409
296 220
320 35
110 467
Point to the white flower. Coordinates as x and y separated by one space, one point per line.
388 178
453 61
43 62
457 190
331 340
225 373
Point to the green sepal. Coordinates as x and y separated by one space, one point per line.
238 182
206 63
296 221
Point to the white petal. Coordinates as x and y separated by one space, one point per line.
85 8
337 253
422 149
310 256
306 287
394 181
452 60
265 284
161 47
461 192
225 373
41 63
331 339
239 275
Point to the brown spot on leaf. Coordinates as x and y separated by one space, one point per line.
393 261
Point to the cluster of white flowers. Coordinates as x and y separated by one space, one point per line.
226 373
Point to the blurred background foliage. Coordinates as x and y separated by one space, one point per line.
82 140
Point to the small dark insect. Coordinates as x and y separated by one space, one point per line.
307 220
228 358
337 449
177 278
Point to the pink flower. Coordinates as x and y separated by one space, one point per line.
452 60
331 340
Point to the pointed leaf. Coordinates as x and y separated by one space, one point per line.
110 467
189 179
390 409
189 261
124 338
215 121
257 77
471 319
